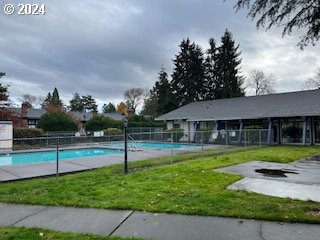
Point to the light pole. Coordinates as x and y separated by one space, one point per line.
125 124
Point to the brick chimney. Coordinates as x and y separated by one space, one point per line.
24 115
24 110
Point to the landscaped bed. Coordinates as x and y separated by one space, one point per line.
183 184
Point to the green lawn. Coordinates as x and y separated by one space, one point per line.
14 233
188 186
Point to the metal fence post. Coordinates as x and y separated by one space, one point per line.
245 138
201 141
260 137
172 144
57 160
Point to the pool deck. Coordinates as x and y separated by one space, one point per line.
17 172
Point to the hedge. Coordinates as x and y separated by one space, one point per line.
27 132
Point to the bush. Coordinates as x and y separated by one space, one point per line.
177 134
57 121
141 121
27 132
112 131
98 123
205 134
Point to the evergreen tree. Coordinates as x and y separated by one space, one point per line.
210 71
4 96
188 76
56 98
150 104
76 103
89 103
109 108
164 94
228 82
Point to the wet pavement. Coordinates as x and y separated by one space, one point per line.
297 180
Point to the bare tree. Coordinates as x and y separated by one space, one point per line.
32 100
134 97
262 83
312 83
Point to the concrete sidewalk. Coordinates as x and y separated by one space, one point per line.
151 225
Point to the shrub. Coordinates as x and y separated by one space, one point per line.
205 134
27 132
112 131
98 123
176 133
57 121
141 121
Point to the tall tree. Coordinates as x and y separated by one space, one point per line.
228 82
188 75
262 83
4 96
76 103
133 97
52 102
164 94
314 82
89 103
109 108
300 14
210 70
29 99
122 108
150 104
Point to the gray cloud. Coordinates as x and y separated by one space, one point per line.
104 47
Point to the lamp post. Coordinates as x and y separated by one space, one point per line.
125 124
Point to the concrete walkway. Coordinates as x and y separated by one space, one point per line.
151 225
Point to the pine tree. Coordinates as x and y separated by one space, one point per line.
228 82
76 103
56 98
188 76
109 108
163 91
150 104
89 103
210 71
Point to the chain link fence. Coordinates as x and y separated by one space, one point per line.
53 155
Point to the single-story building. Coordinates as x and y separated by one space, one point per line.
292 117
29 117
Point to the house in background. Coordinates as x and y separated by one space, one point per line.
292 117
29 117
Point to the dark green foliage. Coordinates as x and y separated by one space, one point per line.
210 74
109 108
55 97
57 121
228 82
98 123
160 99
4 96
76 103
175 134
27 132
303 14
188 74
140 121
89 103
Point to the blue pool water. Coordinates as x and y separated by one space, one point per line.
45 156
156 145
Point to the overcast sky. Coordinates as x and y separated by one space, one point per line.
102 47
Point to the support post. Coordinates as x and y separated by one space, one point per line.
125 146
57 159
240 132
269 130
304 132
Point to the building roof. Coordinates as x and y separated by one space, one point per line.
291 104
115 116
31 114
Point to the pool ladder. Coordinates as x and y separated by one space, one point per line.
134 146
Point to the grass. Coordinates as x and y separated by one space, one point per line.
15 233
185 184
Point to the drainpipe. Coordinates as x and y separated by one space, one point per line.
304 133
269 130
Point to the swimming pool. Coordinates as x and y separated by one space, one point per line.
46 156
155 145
